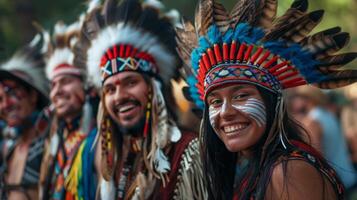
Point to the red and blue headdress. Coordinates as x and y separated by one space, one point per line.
251 45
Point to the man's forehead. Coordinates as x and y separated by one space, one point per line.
122 77
9 83
64 76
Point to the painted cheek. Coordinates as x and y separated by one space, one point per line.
255 109
213 113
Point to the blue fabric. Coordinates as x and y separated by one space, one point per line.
334 147
88 167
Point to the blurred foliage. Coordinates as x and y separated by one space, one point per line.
16 17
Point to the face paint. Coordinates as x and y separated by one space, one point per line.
255 109
213 112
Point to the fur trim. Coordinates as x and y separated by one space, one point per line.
127 34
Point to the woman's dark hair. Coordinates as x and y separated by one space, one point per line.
219 164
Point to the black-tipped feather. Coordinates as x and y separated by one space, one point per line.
204 16
335 62
266 13
243 11
221 17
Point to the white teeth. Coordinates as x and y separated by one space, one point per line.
238 127
126 108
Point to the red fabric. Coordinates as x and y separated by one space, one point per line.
175 154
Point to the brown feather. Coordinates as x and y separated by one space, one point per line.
204 16
243 11
267 13
296 11
329 45
333 63
221 17
186 41
296 30
319 36
339 79
304 26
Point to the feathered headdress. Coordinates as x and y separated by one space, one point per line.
250 44
60 56
133 36
127 37
27 66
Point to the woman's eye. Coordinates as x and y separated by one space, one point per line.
240 96
215 102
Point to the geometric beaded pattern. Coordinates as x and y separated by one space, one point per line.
123 57
245 63
242 73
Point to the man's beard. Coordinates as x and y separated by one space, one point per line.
134 130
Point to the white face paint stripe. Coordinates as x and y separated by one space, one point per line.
213 112
255 109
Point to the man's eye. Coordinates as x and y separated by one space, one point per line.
132 82
109 90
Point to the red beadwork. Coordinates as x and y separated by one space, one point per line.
282 70
241 51
273 60
256 55
233 50
225 52
206 61
127 51
115 51
217 53
121 51
262 59
290 82
248 52
211 56
109 54
278 66
288 75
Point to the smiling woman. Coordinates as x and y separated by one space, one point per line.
238 115
240 66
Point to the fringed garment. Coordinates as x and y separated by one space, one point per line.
185 176
70 173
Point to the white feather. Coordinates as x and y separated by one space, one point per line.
162 164
59 56
54 144
92 5
143 41
175 133
155 3
107 190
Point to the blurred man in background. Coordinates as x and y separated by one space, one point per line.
23 94
307 104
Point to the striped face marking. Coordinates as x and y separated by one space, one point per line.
254 108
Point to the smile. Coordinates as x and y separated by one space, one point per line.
236 128
126 108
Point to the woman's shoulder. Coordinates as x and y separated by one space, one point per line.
303 175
